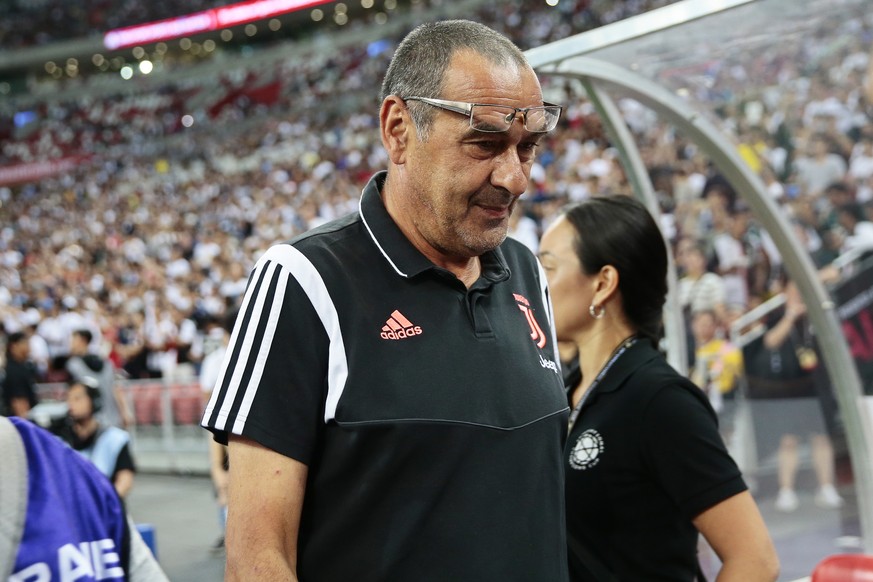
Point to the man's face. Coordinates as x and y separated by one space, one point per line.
20 350
79 403
465 183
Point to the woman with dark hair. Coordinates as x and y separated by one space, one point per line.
646 469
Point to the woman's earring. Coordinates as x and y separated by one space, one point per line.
597 312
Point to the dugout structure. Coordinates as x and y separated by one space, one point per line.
680 63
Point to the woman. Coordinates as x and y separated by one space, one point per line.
646 469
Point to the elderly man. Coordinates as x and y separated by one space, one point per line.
392 394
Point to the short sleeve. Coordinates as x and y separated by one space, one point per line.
686 452
272 383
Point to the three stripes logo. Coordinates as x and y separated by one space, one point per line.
536 332
398 327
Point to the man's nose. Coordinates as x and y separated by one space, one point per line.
510 173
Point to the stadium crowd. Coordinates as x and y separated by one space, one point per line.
152 238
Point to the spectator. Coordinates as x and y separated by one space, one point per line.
718 367
786 378
835 196
83 365
858 230
39 351
861 163
19 378
107 447
819 167
698 289
731 260
210 371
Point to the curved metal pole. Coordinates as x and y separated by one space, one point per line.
638 175
841 368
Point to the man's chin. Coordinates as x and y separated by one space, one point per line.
487 240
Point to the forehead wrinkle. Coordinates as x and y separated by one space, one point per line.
474 78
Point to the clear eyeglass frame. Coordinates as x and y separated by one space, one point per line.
491 118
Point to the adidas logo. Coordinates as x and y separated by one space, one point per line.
398 327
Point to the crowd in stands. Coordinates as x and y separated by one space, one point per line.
150 242
42 22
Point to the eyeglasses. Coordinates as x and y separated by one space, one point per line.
498 118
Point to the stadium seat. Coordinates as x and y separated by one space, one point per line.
187 403
844 568
147 404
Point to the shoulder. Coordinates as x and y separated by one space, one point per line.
115 435
657 384
666 392
329 232
710 278
330 242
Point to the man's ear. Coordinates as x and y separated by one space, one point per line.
396 128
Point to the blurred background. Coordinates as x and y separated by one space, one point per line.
151 151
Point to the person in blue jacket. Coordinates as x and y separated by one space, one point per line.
60 518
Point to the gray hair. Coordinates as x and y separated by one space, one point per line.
419 64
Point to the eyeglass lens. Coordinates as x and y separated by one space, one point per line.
494 118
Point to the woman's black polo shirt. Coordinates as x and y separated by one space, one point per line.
643 459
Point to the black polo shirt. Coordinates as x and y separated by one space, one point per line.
431 416
643 459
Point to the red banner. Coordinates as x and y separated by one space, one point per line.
205 21
34 171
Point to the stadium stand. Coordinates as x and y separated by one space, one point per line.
173 184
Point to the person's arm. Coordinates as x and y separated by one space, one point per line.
123 482
20 406
794 309
736 532
265 499
127 419
217 470
125 469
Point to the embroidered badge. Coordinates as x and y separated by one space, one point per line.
587 450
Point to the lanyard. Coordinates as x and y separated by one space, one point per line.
622 348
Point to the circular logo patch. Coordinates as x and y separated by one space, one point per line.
587 450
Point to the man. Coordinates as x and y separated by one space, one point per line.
39 350
820 167
61 519
210 370
858 230
82 365
392 393
19 378
105 446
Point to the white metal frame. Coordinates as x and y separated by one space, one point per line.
567 58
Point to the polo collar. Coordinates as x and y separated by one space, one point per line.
640 353
406 260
